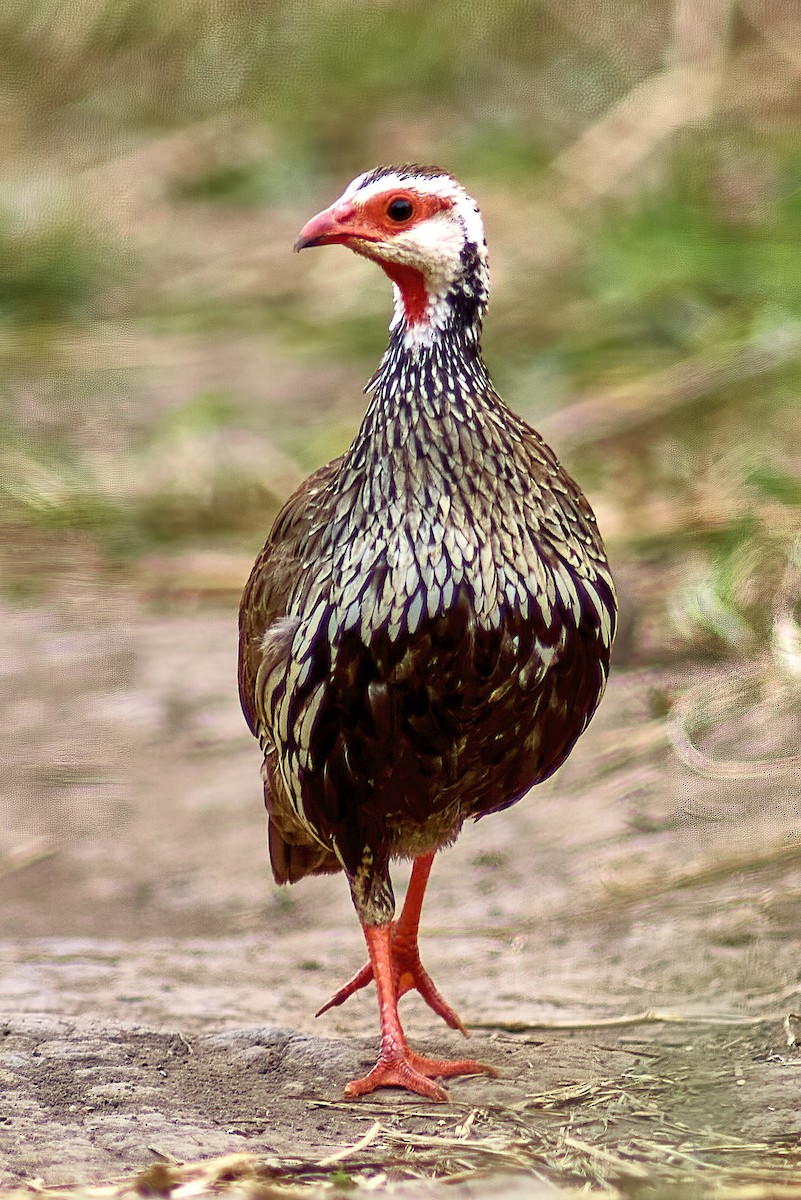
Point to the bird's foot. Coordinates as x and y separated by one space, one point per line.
407 973
416 1073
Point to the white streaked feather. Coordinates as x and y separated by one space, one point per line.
305 726
414 612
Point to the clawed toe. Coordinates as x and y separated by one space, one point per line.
395 1073
416 1073
359 980
446 1068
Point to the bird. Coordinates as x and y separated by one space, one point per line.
427 630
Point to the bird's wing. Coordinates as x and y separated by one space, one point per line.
274 574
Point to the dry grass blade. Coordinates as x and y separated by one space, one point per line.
710 768
349 1151
620 1165
492 1146
646 1017
571 1094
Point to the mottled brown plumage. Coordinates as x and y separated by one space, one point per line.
427 630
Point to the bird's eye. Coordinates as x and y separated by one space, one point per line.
400 209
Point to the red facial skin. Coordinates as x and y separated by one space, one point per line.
348 224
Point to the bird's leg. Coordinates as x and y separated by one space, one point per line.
408 971
398 1065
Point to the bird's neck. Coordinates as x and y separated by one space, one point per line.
432 387
435 331
431 361
424 314
446 300
428 394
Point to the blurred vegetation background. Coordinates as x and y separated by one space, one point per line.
169 371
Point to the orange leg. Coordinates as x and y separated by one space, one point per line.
398 1065
407 970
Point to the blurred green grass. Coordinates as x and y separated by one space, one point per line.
168 372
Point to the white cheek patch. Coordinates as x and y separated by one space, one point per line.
434 247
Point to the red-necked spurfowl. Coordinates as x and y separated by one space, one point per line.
427 631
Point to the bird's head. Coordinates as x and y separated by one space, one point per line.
420 225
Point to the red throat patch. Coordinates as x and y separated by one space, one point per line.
412 289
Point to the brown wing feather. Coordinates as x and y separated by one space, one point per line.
263 609
273 576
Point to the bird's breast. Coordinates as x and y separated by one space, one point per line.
432 606
404 563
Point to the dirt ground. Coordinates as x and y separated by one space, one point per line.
624 944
